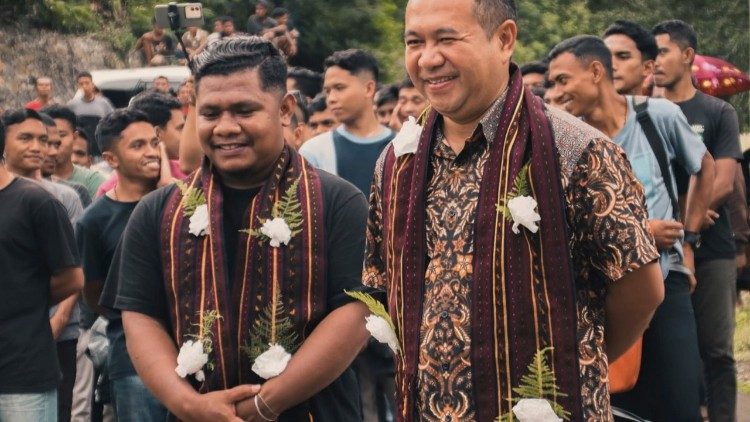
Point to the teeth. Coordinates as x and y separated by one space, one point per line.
229 147
437 81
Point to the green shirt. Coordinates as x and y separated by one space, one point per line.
89 178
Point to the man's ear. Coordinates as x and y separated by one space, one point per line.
598 70
688 55
159 131
507 33
111 159
286 109
371 87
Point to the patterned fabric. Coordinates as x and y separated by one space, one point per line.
608 238
195 270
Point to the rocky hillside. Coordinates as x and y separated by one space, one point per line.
30 54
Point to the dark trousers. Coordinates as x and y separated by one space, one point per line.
66 355
669 382
714 301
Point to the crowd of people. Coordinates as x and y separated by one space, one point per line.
158 48
199 254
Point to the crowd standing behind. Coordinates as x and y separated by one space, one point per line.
104 282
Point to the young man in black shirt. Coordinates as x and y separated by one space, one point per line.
183 257
40 267
713 301
129 144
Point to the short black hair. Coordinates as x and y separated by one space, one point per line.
47 120
83 74
309 82
57 111
83 134
354 61
318 104
156 106
236 54
537 66
278 12
644 40
406 83
585 47
386 94
110 127
679 32
225 19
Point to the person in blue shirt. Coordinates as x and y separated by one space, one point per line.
582 80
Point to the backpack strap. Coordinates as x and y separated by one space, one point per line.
640 105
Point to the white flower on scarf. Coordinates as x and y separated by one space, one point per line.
272 362
278 231
523 212
382 331
535 410
199 221
191 360
407 139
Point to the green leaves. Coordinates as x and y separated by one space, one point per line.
288 208
191 198
521 187
373 305
205 333
539 383
272 326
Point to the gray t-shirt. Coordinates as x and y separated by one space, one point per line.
98 107
682 145
72 204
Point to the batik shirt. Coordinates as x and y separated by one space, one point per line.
606 219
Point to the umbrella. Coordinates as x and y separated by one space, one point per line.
719 78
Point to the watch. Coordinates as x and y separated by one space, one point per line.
693 239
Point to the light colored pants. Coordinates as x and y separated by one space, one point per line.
83 389
32 407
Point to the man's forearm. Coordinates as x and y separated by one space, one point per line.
699 194
65 283
724 182
329 350
154 357
65 309
630 304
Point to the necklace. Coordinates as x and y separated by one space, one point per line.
114 191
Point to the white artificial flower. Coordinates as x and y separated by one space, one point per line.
199 221
272 362
523 211
382 331
278 231
191 360
535 410
407 139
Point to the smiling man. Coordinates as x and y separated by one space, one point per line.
176 267
350 150
474 293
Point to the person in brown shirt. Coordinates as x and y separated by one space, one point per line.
472 298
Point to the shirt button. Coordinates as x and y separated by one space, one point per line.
444 314
446 367
451 213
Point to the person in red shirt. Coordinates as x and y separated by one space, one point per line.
43 87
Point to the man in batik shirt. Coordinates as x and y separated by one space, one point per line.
505 229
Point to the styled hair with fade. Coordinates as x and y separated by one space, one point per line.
354 61
156 106
237 54
491 13
110 127
585 48
308 81
644 40
57 111
680 32
386 94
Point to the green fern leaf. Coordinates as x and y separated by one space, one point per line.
521 183
192 198
272 327
373 305
540 382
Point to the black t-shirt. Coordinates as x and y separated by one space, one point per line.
36 242
235 204
98 233
715 121
141 283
